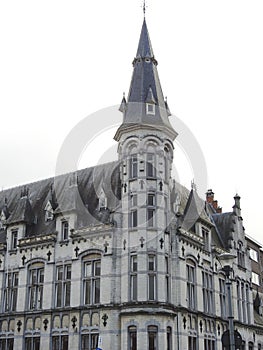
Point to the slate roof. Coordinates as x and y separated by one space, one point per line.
80 195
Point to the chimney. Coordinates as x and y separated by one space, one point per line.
214 203
210 196
236 206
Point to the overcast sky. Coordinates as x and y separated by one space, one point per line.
63 60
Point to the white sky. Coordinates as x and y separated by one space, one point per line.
61 60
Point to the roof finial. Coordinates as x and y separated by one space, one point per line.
144 8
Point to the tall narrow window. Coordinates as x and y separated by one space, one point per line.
151 277
239 301
150 170
205 235
132 340
133 283
165 212
10 292
35 287
222 296
169 338
207 292
133 219
167 279
14 235
151 210
241 255
152 337
133 166
191 297
64 230
63 285
91 280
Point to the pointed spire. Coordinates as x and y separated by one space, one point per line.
145 89
145 47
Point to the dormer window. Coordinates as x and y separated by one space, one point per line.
49 212
64 230
14 237
150 108
102 200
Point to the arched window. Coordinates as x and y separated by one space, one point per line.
169 338
132 338
152 337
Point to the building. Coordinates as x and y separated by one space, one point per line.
120 255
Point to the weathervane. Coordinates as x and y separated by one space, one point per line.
144 7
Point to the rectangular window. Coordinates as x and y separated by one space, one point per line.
133 218
209 344
32 343
133 284
222 296
14 235
253 254
255 278
10 292
65 230
60 342
35 288
192 343
89 341
92 271
150 170
152 337
151 277
63 285
133 166
191 286
6 343
150 217
169 338
167 279
207 292
205 235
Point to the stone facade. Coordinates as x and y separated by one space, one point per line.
120 256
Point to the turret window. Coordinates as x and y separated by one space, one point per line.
133 284
150 108
150 165
65 230
133 166
151 210
151 277
133 217
14 236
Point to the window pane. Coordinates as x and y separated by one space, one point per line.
64 342
67 292
97 291
87 292
59 294
151 287
97 268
